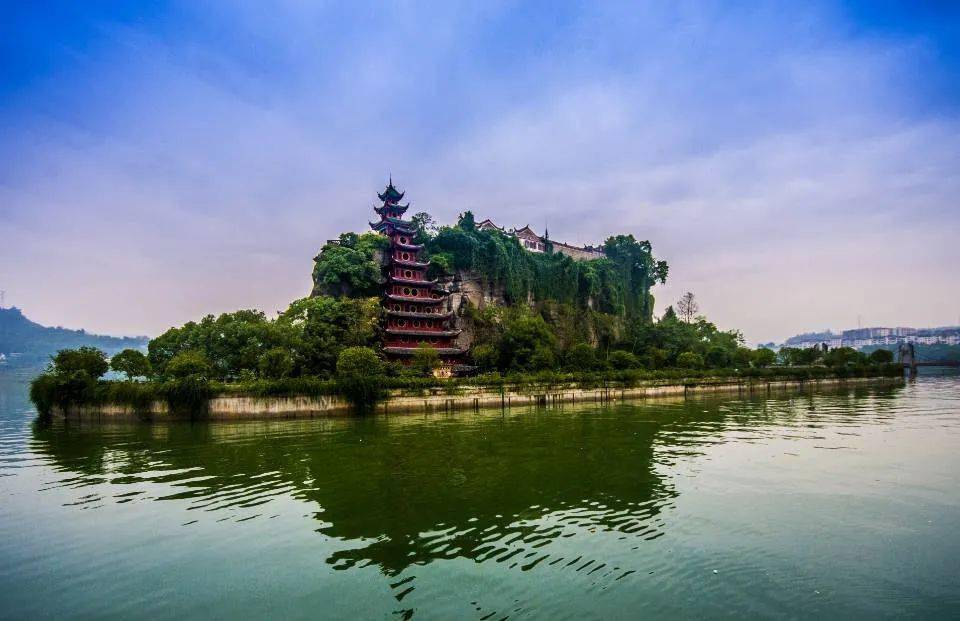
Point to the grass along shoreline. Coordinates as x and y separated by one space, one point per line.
190 399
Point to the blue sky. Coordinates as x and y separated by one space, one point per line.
797 165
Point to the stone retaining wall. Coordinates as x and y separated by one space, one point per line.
235 407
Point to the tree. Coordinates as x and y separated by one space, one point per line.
349 267
360 376
132 363
276 363
426 360
484 356
426 226
881 356
743 357
189 363
669 314
687 307
581 357
88 360
521 338
843 356
621 360
717 357
320 327
466 221
764 357
690 360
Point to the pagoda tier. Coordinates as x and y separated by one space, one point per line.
392 209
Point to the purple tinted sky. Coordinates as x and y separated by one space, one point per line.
796 166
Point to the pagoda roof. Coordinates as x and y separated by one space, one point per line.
392 207
394 223
414 332
409 246
409 351
390 194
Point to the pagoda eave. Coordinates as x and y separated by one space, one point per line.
405 332
404 298
409 263
409 351
411 281
395 313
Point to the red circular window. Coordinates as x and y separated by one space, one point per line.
405 256
406 291
408 274
403 240
397 307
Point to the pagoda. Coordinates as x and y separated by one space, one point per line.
416 309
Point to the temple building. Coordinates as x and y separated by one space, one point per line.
535 243
416 309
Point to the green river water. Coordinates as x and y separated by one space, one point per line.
837 504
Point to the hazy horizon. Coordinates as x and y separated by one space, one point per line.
797 168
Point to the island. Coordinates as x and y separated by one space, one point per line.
418 316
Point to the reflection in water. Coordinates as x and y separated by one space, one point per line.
491 487
560 513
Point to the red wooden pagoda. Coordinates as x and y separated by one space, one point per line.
415 309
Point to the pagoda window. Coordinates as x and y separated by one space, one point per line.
408 274
403 240
402 323
397 307
405 256
416 323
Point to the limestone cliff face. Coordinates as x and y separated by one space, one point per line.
469 290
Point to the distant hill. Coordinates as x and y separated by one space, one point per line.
25 343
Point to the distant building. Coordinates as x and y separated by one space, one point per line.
535 243
869 337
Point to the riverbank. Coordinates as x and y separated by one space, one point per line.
453 397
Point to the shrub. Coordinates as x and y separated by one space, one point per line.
275 363
132 363
620 360
485 357
690 360
717 358
360 376
188 395
581 357
425 360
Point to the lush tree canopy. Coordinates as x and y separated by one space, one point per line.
132 363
